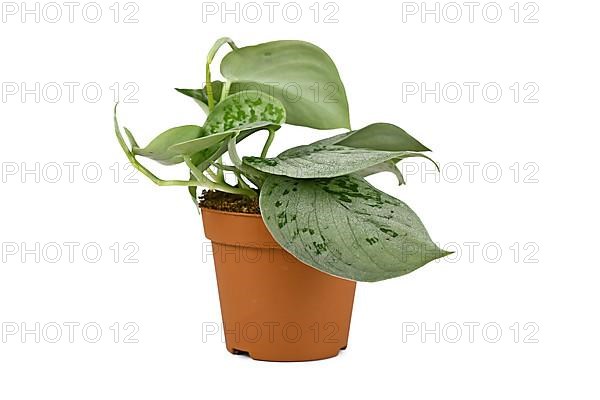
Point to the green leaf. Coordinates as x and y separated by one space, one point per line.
131 157
159 148
382 136
243 112
319 160
345 154
194 146
244 108
196 94
346 227
200 95
301 75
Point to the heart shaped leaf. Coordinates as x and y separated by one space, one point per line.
301 75
244 108
346 227
159 148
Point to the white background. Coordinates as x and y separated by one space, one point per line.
548 211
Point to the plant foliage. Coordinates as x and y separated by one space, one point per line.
313 198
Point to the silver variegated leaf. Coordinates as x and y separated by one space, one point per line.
327 161
345 154
345 227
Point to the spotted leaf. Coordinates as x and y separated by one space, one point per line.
244 108
345 227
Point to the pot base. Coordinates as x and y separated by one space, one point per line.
246 354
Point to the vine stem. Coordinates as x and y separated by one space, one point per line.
223 187
233 154
241 181
209 58
209 90
268 143
229 168
236 172
211 173
225 90
220 173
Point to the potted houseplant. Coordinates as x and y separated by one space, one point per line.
291 234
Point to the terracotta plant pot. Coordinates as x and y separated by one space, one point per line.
274 307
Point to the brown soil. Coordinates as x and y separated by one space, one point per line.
222 201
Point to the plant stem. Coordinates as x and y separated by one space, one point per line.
220 173
223 187
229 168
238 174
268 143
241 182
225 90
211 173
211 54
209 90
233 155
